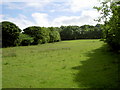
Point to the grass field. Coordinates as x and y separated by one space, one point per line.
66 64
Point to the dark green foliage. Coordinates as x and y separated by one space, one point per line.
83 32
0 35
112 25
25 40
66 33
42 35
39 34
92 32
54 35
113 30
32 31
10 34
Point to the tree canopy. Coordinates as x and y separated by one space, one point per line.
33 35
10 34
81 32
42 34
110 14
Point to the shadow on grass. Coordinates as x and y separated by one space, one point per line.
99 71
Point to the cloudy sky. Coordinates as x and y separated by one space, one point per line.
48 13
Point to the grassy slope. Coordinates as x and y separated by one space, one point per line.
66 64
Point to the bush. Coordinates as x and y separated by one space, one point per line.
40 34
25 40
54 35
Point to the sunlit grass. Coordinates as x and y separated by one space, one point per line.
66 64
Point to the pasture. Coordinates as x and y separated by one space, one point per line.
65 64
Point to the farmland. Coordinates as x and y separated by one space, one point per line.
65 64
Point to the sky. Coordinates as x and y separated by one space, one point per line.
47 13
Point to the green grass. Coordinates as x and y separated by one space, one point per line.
66 64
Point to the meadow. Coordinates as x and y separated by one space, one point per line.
65 64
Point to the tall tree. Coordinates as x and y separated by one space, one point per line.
40 34
111 17
10 34
54 34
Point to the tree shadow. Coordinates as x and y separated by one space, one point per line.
99 71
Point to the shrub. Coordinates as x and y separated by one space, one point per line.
54 35
25 40
40 34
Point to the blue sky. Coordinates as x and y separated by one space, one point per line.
48 13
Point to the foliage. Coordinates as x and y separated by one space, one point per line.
39 34
10 34
0 35
54 34
112 24
83 32
42 34
25 40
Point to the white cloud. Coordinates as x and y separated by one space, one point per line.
85 8
79 5
1 17
92 13
21 21
37 3
87 14
74 20
86 17
25 0
14 6
23 4
34 0
41 19
52 11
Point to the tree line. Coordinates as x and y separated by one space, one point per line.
33 35
81 32
12 35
